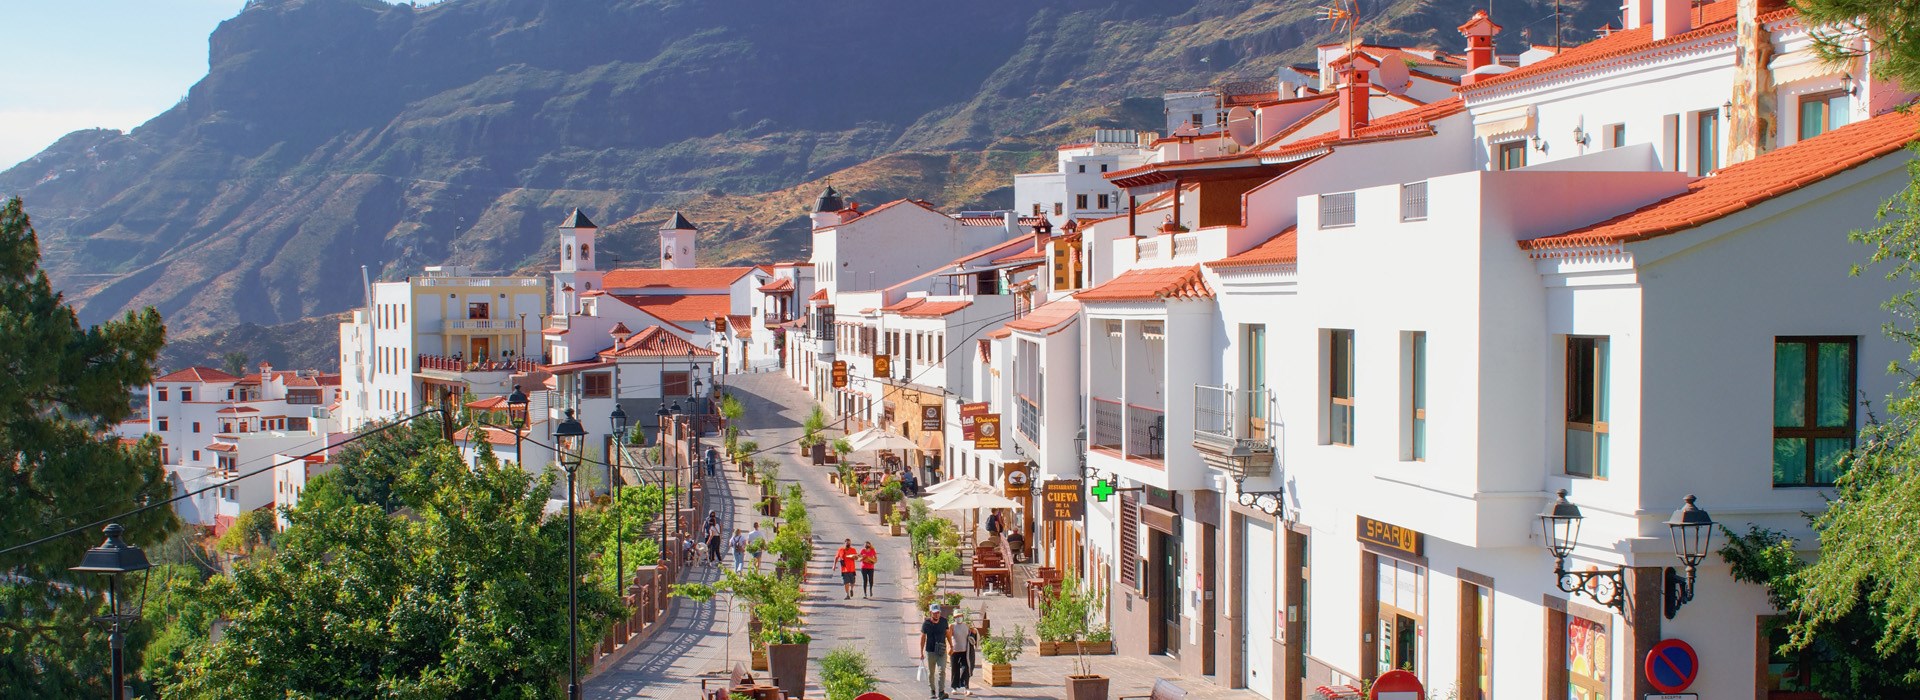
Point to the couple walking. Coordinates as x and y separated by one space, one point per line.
862 560
944 644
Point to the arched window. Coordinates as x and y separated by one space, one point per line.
586 253
566 252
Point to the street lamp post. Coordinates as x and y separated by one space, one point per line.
1086 522
660 440
570 438
619 419
517 417
1692 530
115 559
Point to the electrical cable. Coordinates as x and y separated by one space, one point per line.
183 496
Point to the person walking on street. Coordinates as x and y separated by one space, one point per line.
849 559
960 651
713 461
868 559
713 538
933 649
739 546
993 524
756 536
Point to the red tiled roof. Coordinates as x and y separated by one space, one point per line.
680 307
655 341
493 403
1028 221
1046 318
1035 254
619 329
577 365
935 309
781 284
1711 19
197 374
742 325
694 278
223 447
494 436
1071 146
904 304
1281 248
238 409
1151 284
1743 185
818 295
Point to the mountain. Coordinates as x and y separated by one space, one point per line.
331 134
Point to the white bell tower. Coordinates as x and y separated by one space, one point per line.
577 270
678 244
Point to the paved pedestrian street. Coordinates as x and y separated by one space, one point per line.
701 641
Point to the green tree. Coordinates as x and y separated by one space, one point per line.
62 388
457 590
235 363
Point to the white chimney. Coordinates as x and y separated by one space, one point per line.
1636 13
1671 18
1012 220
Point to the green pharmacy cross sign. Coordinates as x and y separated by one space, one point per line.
1102 489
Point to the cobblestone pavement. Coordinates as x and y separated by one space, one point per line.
669 664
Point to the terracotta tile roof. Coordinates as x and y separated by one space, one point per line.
223 447
903 304
493 403
1151 284
655 341
197 374
1047 318
1034 254
1711 19
1281 248
238 409
694 278
1743 185
998 333
1071 146
493 436
818 295
742 325
575 366
680 308
782 284
619 329
935 309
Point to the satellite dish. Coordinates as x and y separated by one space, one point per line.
1392 73
1240 126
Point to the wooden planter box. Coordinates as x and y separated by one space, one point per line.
899 530
1066 648
873 506
999 675
759 662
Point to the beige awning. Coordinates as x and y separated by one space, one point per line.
1504 123
1801 65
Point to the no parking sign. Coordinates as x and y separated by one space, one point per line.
1398 685
1672 666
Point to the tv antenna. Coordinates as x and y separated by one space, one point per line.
1342 14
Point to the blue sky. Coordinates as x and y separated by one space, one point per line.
77 64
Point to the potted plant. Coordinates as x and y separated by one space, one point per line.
1067 618
1001 651
898 523
841 448
889 495
781 633
847 673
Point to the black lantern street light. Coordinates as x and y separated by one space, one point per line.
517 417
660 440
570 437
115 559
618 443
1692 530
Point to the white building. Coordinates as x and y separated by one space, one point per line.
199 412
437 337
1374 372
1078 188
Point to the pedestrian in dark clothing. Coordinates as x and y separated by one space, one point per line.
714 538
933 649
713 461
960 652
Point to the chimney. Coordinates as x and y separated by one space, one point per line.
1356 88
1479 31
1636 13
1041 231
1011 220
266 370
1671 18
1751 126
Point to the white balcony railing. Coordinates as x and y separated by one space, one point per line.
1230 429
482 324
478 281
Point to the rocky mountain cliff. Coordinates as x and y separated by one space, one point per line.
331 134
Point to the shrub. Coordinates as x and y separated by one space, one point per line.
846 673
891 493
942 563
843 447
1003 649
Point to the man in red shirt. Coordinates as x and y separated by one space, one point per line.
849 559
868 559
